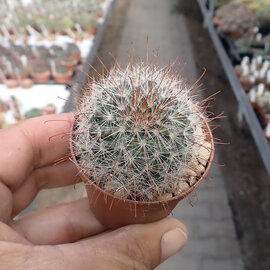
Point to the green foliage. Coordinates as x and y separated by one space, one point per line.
261 9
33 113
219 3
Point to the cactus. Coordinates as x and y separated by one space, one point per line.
261 9
140 133
236 18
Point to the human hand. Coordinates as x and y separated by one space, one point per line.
66 236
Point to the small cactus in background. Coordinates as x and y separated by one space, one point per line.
140 133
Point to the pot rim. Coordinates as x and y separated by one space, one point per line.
178 197
46 73
67 74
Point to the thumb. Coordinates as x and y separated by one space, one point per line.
141 246
150 244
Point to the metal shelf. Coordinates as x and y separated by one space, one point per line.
244 108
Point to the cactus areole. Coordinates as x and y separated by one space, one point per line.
141 135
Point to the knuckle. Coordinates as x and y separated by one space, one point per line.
136 250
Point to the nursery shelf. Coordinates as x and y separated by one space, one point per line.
81 78
40 95
244 108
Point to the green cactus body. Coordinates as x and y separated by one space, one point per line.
140 134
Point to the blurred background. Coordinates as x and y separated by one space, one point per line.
43 61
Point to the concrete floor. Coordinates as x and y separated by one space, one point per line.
212 244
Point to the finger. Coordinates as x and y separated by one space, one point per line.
52 176
5 203
60 224
31 145
7 234
131 247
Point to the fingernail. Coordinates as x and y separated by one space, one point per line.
171 242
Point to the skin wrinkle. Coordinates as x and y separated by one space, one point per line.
108 250
20 230
66 227
41 180
123 262
14 183
20 200
5 202
31 140
45 177
86 251
70 228
7 234
22 253
133 248
34 152
54 257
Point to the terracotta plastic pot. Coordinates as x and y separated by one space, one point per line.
74 51
27 83
41 77
12 83
22 76
92 31
114 212
49 109
70 65
62 78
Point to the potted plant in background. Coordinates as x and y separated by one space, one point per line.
56 51
87 23
141 143
235 19
61 74
49 109
93 24
68 61
73 49
40 71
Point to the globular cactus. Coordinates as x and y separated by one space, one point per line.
140 133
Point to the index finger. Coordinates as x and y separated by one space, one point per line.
33 144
